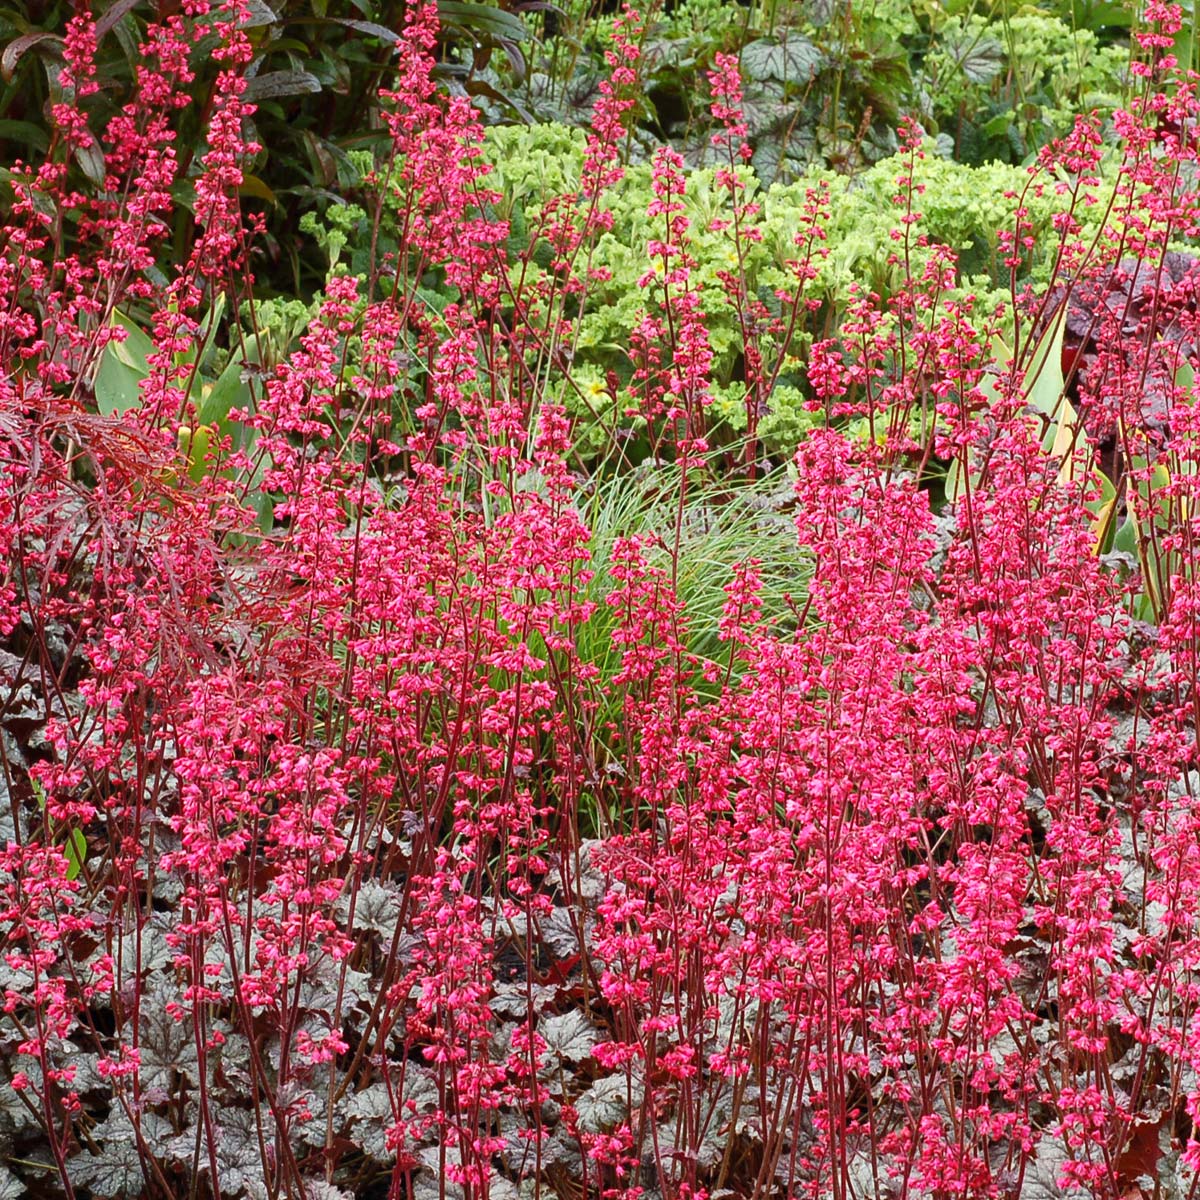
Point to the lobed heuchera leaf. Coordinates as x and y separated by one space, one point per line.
372 1114
118 1170
320 1189
376 908
238 1160
606 1103
979 58
569 1036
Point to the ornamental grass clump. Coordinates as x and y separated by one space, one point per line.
365 837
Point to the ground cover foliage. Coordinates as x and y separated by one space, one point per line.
631 687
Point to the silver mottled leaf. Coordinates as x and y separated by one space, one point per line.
1043 1170
979 58
513 999
318 1189
764 109
372 1115
569 1036
167 1046
429 1183
605 1104
155 1131
325 979
14 1113
558 932
795 60
582 878
376 908
138 952
239 1162
298 1099
115 1171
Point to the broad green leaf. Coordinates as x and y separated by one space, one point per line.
1043 381
135 350
1125 539
1185 377
1102 15
1103 511
998 125
266 512
295 45
990 386
1001 354
255 188
75 847
1145 496
117 384
123 366
1066 440
1185 457
228 392
955 481
25 132
75 851
211 319
1183 47
201 440
482 18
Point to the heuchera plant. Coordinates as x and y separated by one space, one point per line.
333 865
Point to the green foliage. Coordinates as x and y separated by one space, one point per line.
961 206
532 164
315 80
1001 88
717 528
272 328
334 228
826 84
